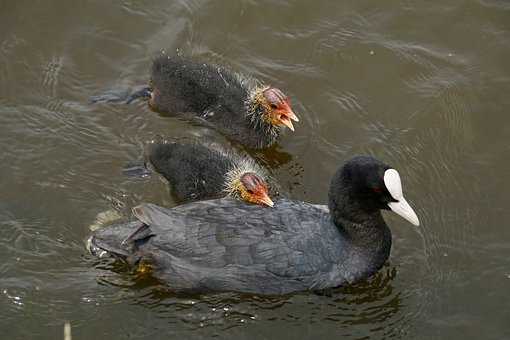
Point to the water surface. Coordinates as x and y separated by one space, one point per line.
423 86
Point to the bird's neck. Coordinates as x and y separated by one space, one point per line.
369 247
373 233
365 230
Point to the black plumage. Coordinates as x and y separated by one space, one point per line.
199 171
226 245
213 96
193 171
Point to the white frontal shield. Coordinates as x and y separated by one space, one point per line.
401 207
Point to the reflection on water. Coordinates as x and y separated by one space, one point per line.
374 303
422 86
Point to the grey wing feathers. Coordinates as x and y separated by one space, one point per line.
268 244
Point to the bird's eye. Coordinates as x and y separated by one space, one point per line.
274 106
249 191
378 189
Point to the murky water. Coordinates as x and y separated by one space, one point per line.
424 86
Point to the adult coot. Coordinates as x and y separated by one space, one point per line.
198 171
227 245
240 108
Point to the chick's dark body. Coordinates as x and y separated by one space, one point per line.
193 171
211 95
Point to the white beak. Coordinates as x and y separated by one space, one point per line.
401 207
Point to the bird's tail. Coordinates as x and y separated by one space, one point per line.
160 151
119 240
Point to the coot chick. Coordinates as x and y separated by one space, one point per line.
246 112
197 171
227 245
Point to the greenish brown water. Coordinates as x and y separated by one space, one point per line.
422 85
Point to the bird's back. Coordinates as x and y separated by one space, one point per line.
194 171
228 245
187 86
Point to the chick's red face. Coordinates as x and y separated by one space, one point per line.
278 108
254 190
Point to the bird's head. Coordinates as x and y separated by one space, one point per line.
251 188
274 106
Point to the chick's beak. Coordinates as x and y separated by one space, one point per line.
284 120
264 199
286 116
292 115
